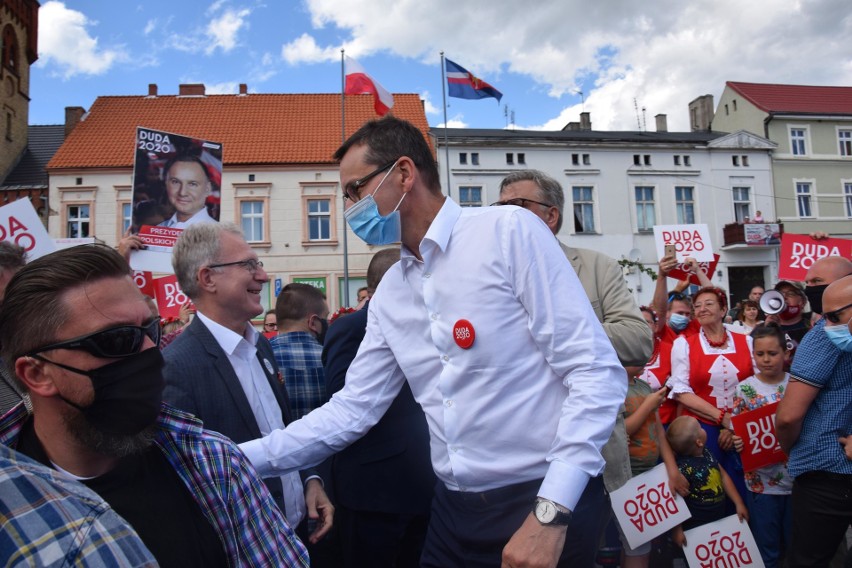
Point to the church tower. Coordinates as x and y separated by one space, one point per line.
18 51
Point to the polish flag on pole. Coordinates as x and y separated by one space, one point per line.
358 82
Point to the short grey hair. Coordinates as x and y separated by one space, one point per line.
198 246
550 190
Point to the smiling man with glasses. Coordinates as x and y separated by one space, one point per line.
223 371
79 337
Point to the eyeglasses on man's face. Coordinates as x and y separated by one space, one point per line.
250 264
834 316
352 191
520 202
112 343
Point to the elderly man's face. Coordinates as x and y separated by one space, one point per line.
528 189
755 293
188 187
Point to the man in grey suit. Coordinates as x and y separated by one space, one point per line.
222 370
602 280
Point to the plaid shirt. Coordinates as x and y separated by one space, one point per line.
50 520
819 363
252 529
299 358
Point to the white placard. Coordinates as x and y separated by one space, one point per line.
153 260
20 224
689 240
728 542
646 507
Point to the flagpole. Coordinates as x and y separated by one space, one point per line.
446 138
342 140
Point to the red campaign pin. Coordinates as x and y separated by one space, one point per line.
464 334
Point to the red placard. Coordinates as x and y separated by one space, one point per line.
799 252
760 444
169 296
681 271
159 236
145 282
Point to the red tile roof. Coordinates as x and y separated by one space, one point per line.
796 99
254 129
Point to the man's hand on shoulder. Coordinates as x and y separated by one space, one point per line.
534 545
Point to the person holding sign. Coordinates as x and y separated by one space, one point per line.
769 487
187 185
706 368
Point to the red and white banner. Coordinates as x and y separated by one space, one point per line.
359 82
159 236
646 507
727 543
689 240
145 282
169 296
20 224
760 444
681 271
799 252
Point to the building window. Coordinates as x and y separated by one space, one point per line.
575 159
522 158
676 160
645 215
726 110
470 196
685 205
745 161
474 158
742 204
687 161
319 219
637 160
797 141
845 139
584 209
77 221
735 160
734 102
587 160
126 216
510 159
847 194
8 126
463 158
252 220
647 159
10 49
803 199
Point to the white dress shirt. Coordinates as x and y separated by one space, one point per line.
200 217
500 412
242 354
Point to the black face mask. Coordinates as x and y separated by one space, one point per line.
128 393
323 330
814 294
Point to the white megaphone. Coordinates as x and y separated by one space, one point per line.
772 302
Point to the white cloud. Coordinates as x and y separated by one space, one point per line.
455 122
150 26
304 49
222 31
64 42
224 88
664 53
428 107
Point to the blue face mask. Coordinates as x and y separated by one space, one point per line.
840 336
678 322
365 220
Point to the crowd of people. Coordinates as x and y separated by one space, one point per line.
493 389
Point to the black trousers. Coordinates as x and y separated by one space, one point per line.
380 540
822 511
471 529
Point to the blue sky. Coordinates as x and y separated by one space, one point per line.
660 54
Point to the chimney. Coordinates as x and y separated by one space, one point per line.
701 113
191 90
73 115
662 123
585 121
152 89
243 89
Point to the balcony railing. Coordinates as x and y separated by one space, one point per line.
753 234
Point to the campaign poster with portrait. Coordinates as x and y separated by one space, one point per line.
177 180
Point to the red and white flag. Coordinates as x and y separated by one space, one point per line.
358 82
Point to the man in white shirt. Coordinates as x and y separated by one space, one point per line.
476 316
187 185
222 370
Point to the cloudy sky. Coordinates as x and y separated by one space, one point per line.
550 59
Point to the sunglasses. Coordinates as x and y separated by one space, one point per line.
834 316
352 191
112 343
520 202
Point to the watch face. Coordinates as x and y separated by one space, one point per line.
545 511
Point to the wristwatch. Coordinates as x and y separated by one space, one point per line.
549 513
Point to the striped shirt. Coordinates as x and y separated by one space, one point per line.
299 358
224 484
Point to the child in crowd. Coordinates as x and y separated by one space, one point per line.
769 488
647 443
708 481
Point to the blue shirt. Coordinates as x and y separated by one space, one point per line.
299 358
822 365
231 495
